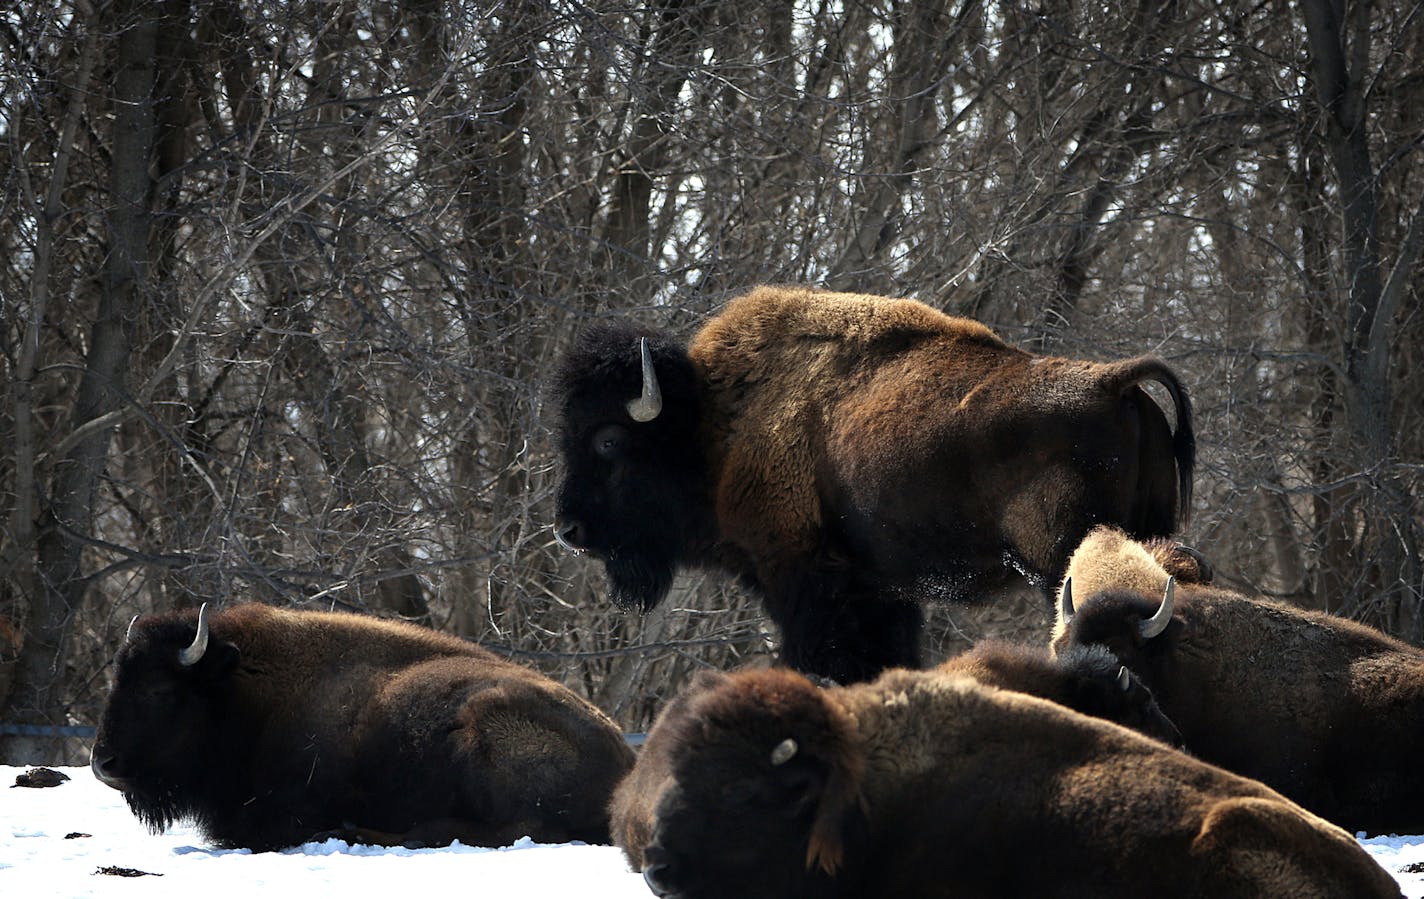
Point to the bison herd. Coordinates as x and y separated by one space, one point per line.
847 458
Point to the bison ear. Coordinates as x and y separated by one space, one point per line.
834 789
799 783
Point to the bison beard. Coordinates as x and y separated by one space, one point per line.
160 804
639 580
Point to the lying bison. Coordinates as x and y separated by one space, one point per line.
924 785
268 727
1090 681
845 454
1327 711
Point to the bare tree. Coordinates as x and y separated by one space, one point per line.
282 285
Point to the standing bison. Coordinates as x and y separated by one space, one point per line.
267 727
925 784
845 454
1327 711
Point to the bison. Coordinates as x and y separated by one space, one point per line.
845 455
1091 681
924 784
1327 711
268 727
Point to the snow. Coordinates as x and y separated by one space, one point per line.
38 862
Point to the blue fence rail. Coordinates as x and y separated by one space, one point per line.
40 730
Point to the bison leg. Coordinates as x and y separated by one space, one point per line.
848 638
361 836
446 831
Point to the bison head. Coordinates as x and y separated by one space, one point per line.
163 714
1138 631
634 490
764 780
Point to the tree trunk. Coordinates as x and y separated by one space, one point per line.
20 587
68 515
1340 65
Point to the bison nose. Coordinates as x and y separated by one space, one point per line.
105 766
659 873
656 877
570 535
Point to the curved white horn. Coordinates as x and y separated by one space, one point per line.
1124 680
647 406
1163 617
783 751
128 634
190 656
1065 601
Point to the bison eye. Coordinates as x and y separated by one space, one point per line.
610 442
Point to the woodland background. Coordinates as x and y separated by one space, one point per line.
283 284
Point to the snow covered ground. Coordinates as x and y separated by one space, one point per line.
37 861
40 860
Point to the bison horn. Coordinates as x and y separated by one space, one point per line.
783 751
1065 601
1163 617
128 634
190 656
1124 680
647 406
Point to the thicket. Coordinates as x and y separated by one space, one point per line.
283 284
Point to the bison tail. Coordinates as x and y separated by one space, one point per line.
1132 372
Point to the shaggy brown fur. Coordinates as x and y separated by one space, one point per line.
295 723
1089 680
1326 710
926 785
862 384
631 809
848 456
1180 561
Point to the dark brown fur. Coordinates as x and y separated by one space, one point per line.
631 810
926 785
1089 680
1327 711
847 456
1086 681
298 723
